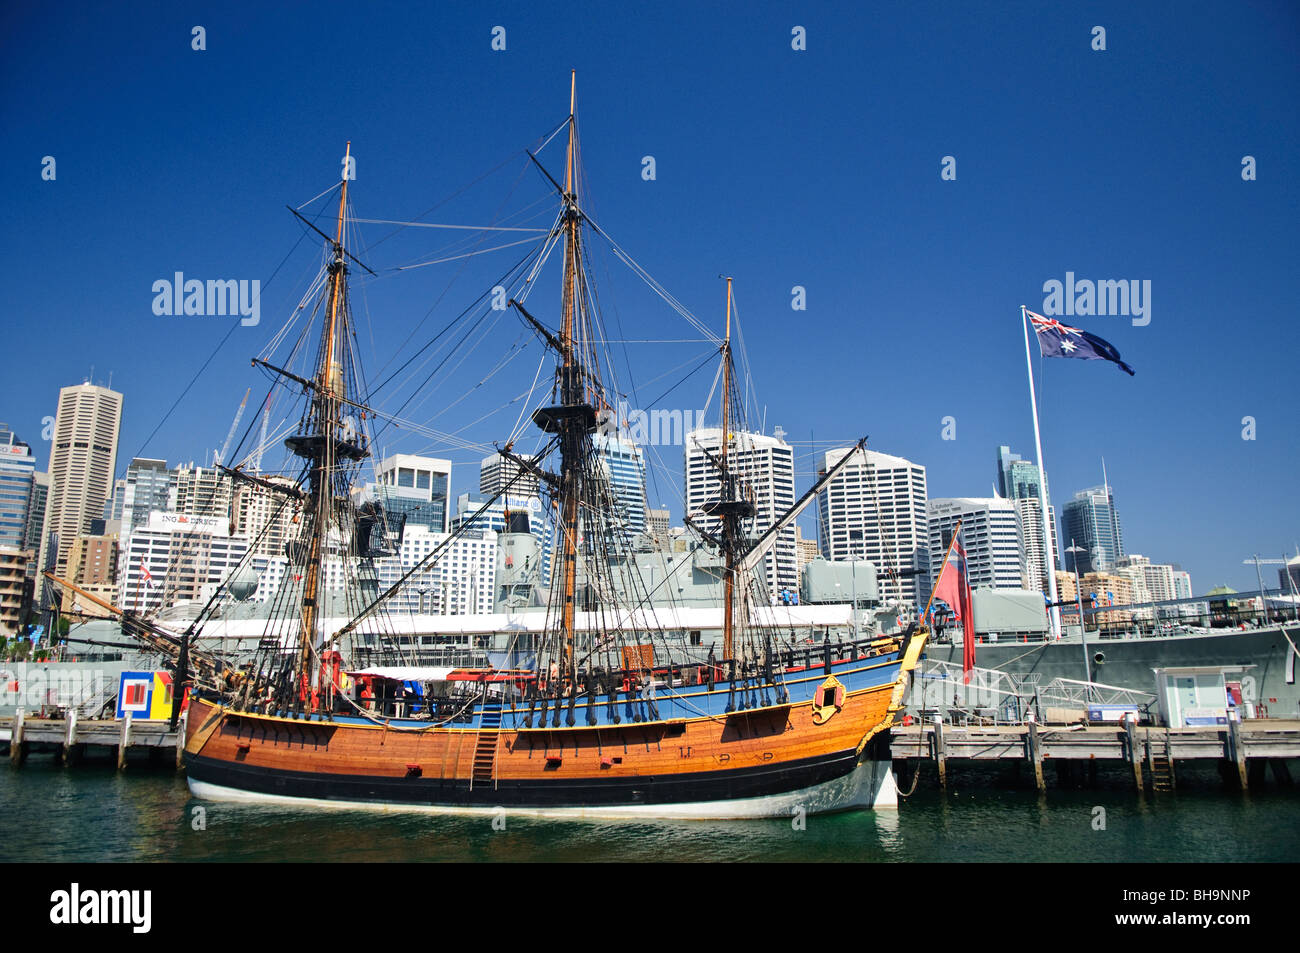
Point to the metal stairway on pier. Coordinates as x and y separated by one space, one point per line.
1161 761
485 746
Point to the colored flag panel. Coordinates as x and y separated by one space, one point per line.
1059 340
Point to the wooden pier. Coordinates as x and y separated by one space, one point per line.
1243 750
70 737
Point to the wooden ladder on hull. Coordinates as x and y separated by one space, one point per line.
1161 763
485 747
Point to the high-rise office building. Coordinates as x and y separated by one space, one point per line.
624 465
36 505
92 566
496 471
177 557
1090 521
414 489
764 465
148 487
875 510
82 462
460 581
656 523
806 550
990 529
1021 480
202 491
1029 512
17 474
13 588
1018 478
264 516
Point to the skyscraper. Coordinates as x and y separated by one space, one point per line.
82 462
765 465
656 522
36 505
1029 511
1021 480
1018 478
147 488
876 511
264 516
17 474
415 487
624 463
496 471
203 491
1091 521
990 528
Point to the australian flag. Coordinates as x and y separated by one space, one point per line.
1059 340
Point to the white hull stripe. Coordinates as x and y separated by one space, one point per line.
869 785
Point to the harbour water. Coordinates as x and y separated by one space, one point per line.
92 814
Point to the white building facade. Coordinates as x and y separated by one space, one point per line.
765 465
875 509
990 529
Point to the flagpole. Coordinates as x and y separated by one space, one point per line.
1049 553
951 543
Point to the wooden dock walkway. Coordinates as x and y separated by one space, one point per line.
1151 753
69 737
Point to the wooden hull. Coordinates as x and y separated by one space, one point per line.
767 760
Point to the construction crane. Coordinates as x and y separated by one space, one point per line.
261 440
220 458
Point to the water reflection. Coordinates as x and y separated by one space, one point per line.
91 813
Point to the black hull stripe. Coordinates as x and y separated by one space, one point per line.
611 791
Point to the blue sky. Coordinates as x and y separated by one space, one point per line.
818 168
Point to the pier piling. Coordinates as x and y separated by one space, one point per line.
1035 746
180 739
70 738
17 750
124 742
1132 750
939 756
1236 751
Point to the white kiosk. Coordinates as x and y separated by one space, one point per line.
1199 696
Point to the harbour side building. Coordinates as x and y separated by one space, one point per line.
93 566
1021 481
414 489
1091 522
82 462
990 529
13 580
624 464
496 471
17 475
36 505
875 510
765 464
177 557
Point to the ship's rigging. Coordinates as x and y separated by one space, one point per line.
330 565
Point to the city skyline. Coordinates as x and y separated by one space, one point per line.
1032 202
118 506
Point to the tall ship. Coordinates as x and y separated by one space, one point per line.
591 701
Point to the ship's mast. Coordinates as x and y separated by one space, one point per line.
570 394
572 417
320 442
730 509
729 578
